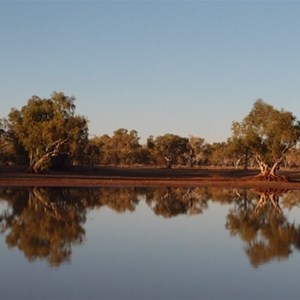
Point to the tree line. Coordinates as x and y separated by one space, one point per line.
47 134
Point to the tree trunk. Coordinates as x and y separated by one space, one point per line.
264 168
246 160
269 173
36 166
52 150
169 162
275 168
237 162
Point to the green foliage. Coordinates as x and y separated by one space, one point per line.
197 151
47 133
11 152
219 155
168 148
122 148
266 132
47 128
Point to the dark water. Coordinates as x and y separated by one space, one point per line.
149 243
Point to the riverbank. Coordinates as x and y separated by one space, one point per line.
142 176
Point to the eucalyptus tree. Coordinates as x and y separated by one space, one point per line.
93 153
168 148
239 153
11 152
293 158
2 141
122 148
267 134
196 153
220 155
125 146
48 128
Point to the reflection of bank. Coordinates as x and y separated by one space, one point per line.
264 229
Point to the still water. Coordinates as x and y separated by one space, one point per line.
149 243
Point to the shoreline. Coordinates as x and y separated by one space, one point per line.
145 177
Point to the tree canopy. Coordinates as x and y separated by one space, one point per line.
268 133
48 128
169 148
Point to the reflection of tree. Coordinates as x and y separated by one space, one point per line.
269 197
46 222
264 228
170 202
119 199
17 199
47 225
196 200
291 199
227 196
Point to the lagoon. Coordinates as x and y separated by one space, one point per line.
149 243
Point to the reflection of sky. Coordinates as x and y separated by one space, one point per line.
138 255
3 205
292 215
149 256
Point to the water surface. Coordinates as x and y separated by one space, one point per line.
149 243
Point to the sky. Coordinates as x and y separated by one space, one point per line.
180 67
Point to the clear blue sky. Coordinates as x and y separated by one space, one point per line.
182 67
